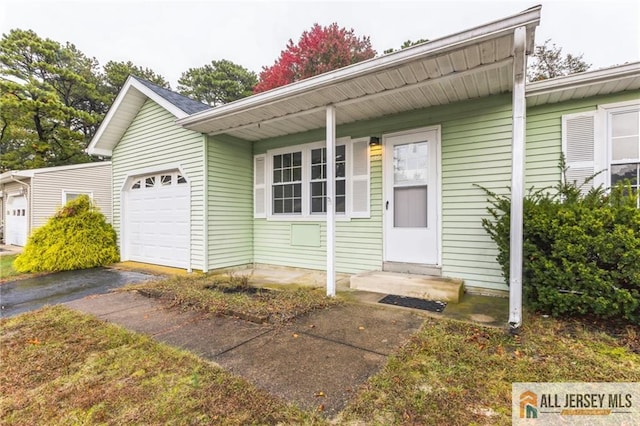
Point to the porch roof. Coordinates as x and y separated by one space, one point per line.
470 64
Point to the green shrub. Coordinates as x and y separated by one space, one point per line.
581 253
76 237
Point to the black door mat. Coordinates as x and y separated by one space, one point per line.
414 302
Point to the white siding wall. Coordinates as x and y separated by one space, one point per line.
154 140
47 189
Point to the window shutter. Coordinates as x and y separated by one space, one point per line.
359 188
259 186
578 145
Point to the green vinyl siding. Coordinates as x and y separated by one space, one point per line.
476 141
154 140
358 241
230 198
544 135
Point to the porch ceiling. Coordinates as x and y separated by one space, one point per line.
471 64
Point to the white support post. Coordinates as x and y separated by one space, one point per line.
331 211
517 178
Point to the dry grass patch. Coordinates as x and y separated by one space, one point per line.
456 373
62 367
232 295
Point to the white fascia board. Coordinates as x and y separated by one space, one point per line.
530 17
115 106
131 83
6 176
32 172
587 78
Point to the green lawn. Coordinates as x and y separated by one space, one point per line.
6 266
68 368
457 373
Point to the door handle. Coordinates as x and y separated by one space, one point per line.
386 207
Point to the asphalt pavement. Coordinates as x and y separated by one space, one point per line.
33 293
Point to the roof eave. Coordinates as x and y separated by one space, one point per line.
529 18
587 78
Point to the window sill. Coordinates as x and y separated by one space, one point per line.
309 218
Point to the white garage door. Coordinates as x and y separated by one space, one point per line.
156 220
16 220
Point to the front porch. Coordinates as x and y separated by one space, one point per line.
487 310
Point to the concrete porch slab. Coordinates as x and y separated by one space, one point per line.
270 276
412 285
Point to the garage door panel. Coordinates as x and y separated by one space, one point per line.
157 224
16 220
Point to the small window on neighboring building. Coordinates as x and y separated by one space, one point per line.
136 185
72 195
23 212
181 179
150 182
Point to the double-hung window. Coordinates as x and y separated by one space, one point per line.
292 182
286 189
318 181
624 129
606 140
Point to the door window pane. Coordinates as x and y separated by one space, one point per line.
410 207
410 163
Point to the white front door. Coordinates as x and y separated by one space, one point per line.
411 186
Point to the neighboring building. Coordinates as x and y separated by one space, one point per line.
414 133
31 197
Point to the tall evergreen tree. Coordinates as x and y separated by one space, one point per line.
50 101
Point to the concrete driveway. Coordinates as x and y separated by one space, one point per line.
32 293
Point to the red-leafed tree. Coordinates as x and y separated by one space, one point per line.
319 50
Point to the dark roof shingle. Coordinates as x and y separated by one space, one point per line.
187 105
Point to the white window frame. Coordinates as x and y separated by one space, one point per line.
66 192
604 131
602 155
306 214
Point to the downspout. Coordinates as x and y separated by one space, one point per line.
29 203
205 204
331 213
517 179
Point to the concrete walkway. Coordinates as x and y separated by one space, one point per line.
317 362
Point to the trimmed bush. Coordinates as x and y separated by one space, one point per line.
76 237
581 252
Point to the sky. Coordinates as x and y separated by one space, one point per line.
172 36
